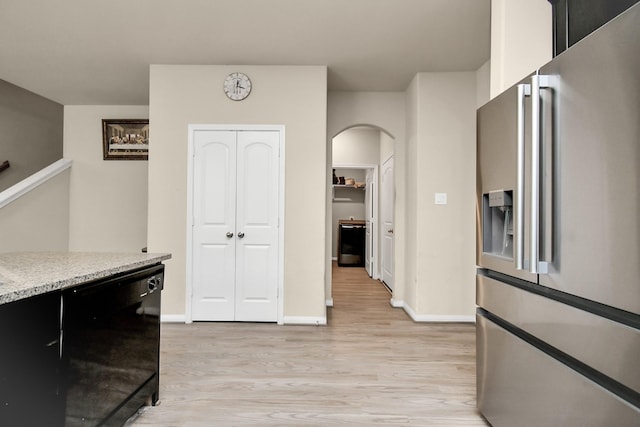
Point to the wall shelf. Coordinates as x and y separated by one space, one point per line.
348 186
347 189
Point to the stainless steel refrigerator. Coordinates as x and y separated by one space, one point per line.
558 196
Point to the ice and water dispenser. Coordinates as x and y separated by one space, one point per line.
497 223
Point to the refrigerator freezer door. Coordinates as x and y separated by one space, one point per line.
518 385
606 346
498 127
593 141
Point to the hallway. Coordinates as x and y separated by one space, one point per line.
372 365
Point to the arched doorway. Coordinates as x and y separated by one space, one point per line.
362 153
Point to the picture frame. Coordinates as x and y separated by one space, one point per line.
125 139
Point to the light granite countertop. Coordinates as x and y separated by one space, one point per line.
27 274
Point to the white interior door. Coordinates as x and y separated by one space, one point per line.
214 225
386 217
368 209
257 227
235 226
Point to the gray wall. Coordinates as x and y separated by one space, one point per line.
30 133
39 220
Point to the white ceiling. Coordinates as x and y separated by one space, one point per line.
99 51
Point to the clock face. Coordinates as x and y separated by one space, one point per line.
237 86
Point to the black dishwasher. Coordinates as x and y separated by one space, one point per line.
351 243
111 335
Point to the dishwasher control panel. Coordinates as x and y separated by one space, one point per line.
154 283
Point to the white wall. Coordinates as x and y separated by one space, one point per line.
521 40
108 199
39 220
441 159
386 147
409 244
295 97
357 146
483 84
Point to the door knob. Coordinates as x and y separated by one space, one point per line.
229 234
241 234
390 231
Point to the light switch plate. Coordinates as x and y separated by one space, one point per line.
441 198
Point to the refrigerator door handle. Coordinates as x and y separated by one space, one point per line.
524 90
536 266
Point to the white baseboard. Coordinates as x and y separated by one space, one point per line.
396 303
288 320
173 318
444 318
305 320
434 318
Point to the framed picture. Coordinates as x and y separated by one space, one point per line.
125 139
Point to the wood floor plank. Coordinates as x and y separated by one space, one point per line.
371 365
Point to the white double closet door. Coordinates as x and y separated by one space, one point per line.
235 225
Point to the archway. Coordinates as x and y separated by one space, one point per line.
359 154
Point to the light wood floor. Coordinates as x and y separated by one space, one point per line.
372 365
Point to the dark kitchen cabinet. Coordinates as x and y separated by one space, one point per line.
30 392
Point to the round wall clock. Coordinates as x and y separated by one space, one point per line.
237 86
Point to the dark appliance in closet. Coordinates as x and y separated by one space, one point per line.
351 242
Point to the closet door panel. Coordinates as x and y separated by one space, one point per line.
257 225
214 214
